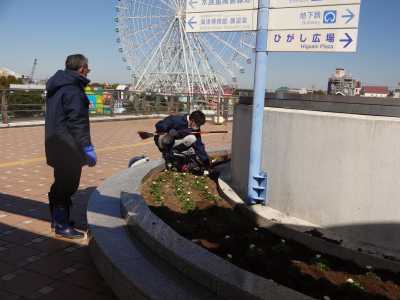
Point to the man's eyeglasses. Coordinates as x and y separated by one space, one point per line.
87 68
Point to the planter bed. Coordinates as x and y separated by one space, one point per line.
192 206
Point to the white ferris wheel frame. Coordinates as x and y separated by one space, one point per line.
166 59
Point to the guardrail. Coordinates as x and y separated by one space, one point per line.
23 105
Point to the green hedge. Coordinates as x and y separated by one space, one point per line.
23 104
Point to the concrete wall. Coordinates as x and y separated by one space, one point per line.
339 171
388 107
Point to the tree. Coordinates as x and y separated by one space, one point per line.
320 92
5 81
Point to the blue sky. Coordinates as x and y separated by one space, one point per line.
51 29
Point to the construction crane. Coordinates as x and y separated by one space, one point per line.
33 71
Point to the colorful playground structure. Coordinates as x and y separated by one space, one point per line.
100 100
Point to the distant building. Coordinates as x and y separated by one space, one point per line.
375 91
286 90
228 90
282 89
396 93
343 84
301 91
244 92
28 87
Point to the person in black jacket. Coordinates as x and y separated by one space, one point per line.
67 139
181 133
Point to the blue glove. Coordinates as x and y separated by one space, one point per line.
91 157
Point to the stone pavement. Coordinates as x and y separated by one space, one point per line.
34 264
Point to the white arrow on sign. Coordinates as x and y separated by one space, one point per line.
319 40
241 20
339 16
193 6
302 3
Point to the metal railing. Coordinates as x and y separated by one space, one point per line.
23 105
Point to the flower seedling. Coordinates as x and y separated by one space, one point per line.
373 275
321 263
187 204
281 247
155 191
199 184
354 284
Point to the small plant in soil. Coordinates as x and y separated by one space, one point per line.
353 285
281 248
155 191
374 276
192 206
320 262
182 193
199 183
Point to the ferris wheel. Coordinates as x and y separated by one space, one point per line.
164 58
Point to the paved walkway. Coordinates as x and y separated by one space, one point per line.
34 264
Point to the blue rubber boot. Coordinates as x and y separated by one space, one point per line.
63 227
53 223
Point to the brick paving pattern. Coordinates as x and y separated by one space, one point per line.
34 264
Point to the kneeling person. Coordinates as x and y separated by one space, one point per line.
179 140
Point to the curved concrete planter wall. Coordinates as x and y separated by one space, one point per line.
154 262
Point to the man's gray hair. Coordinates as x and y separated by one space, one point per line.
75 62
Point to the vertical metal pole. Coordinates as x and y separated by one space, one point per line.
4 112
225 110
257 179
188 104
157 104
112 104
219 106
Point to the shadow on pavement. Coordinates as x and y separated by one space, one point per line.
35 264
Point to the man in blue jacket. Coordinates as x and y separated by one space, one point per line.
67 139
179 134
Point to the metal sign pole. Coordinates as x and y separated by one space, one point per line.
257 182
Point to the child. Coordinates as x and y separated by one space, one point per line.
180 135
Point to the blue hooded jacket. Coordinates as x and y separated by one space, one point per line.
67 129
181 125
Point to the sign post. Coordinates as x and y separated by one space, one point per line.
257 182
294 25
250 15
282 25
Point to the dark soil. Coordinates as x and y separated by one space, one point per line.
192 206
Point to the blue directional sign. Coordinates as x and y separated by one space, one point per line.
308 3
317 40
193 6
242 20
338 16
